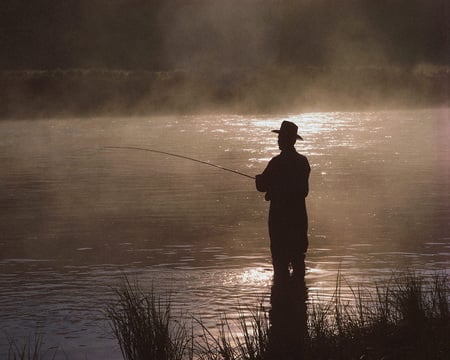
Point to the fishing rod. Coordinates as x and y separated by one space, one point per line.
179 156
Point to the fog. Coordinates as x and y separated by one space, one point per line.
167 34
379 190
63 191
133 56
212 34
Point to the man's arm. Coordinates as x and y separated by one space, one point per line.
306 178
262 181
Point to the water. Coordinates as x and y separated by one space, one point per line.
76 217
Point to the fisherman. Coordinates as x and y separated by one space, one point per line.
285 182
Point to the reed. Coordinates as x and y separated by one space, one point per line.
406 318
246 337
28 349
144 327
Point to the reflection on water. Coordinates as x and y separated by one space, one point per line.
288 318
75 216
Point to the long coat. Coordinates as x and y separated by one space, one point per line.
286 183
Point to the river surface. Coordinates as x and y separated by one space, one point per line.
77 216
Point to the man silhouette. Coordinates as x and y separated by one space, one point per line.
285 182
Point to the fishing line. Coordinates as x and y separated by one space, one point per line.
179 156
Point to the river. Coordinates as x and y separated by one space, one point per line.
77 216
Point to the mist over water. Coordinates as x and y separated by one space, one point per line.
121 58
77 76
76 215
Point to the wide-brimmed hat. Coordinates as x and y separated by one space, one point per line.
289 129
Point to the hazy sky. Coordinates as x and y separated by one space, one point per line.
166 34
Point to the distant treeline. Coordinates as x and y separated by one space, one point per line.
206 55
31 94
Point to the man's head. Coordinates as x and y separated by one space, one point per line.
287 135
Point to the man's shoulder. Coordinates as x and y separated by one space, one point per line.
301 156
298 157
302 161
291 159
277 160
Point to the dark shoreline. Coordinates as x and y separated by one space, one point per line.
32 94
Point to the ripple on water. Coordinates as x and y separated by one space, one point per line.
79 219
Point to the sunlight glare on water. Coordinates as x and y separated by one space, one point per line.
78 216
258 275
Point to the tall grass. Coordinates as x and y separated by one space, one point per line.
28 349
246 337
144 327
406 318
